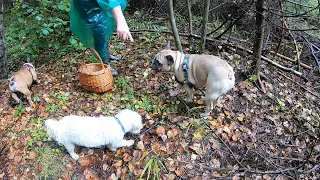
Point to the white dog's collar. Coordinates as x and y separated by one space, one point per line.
118 121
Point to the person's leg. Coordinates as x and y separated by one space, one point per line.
91 12
101 46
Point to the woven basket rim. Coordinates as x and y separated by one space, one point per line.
83 68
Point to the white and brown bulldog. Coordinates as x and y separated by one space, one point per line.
195 70
22 80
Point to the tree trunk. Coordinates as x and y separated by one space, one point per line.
204 25
190 15
3 57
258 42
319 7
174 26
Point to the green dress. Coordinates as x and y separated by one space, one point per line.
93 23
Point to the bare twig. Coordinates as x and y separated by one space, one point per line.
189 16
174 26
224 143
291 60
204 24
295 15
286 158
230 26
313 52
221 25
282 29
314 94
269 61
295 45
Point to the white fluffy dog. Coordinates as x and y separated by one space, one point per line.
94 131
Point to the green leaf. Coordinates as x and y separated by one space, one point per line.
254 77
56 45
45 31
73 41
36 99
148 166
38 18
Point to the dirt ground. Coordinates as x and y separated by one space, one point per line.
250 134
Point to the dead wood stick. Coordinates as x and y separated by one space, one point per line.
268 172
291 60
269 61
313 52
224 143
141 31
298 52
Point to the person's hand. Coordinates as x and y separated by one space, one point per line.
122 27
123 31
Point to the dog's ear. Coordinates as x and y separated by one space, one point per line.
168 46
170 60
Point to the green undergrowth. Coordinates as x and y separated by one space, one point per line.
52 165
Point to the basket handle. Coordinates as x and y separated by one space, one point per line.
93 50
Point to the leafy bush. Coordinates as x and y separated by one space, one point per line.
38 28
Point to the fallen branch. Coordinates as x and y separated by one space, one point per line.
141 31
291 60
269 61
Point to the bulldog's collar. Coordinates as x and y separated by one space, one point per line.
118 121
185 68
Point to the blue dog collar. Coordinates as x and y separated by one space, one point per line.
185 67
118 121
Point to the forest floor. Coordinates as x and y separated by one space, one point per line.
250 134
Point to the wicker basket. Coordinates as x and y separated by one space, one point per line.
95 77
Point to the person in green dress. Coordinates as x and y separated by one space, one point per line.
94 21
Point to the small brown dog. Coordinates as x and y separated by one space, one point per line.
22 80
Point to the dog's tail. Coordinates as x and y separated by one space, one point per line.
231 82
11 84
28 65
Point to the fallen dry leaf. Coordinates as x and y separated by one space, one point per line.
170 134
160 130
179 171
126 157
32 155
196 147
84 161
69 166
90 175
118 163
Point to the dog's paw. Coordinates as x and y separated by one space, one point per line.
74 156
174 93
113 149
130 142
